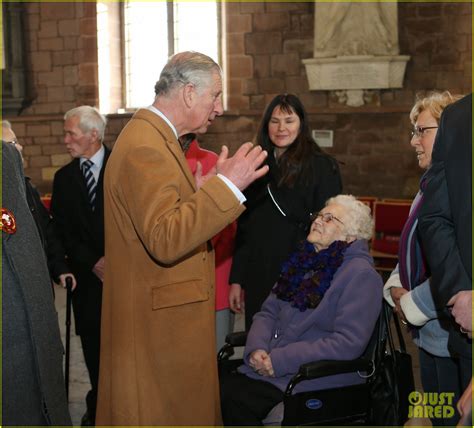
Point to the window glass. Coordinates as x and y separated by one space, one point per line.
146 49
146 46
195 28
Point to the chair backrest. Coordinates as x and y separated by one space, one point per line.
397 201
389 219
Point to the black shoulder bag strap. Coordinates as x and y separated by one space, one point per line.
285 211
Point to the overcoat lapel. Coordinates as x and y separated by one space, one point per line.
171 142
177 151
100 185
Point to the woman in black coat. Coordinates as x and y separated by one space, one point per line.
280 204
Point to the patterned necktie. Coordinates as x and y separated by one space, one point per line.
90 181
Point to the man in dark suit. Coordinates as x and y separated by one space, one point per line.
77 208
33 390
445 221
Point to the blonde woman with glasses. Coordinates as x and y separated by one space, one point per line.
408 288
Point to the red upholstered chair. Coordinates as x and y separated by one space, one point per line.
398 201
389 217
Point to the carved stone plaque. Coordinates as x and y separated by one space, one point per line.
355 49
364 72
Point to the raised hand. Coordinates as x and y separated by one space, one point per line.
201 179
243 168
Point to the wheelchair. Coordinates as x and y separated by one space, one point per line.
349 405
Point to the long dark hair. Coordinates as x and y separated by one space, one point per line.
295 163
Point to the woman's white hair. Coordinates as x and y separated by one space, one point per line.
359 222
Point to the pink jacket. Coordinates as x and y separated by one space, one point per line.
223 242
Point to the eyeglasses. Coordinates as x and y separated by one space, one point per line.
418 131
14 142
325 217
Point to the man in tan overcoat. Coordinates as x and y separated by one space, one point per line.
158 362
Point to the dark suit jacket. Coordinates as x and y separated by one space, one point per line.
445 218
82 233
32 377
52 245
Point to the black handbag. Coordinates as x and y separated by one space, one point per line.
393 380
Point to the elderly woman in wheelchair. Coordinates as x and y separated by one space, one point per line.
324 306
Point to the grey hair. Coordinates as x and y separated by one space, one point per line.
6 124
90 118
186 67
359 222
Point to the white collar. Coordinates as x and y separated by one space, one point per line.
97 159
159 113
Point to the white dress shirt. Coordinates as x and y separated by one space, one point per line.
98 161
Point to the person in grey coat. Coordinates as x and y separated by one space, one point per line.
324 306
33 391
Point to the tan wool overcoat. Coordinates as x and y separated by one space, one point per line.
158 361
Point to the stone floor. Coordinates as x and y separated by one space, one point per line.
79 383
79 379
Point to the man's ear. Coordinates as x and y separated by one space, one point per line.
95 135
189 95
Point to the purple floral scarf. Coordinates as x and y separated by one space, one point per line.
307 274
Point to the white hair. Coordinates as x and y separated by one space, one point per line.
359 222
6 124
187 67
90 118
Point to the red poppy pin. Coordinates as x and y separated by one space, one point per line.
8 222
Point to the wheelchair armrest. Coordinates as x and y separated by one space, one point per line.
236 339
232 340
317 369
323 368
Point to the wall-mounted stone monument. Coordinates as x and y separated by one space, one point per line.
355 50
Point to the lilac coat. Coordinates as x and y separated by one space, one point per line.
338 329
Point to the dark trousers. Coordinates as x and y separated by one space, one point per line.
441 374
90 341
465 370
246 401
465 366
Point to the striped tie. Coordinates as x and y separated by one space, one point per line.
90 181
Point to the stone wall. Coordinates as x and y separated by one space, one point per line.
62 55
265 45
